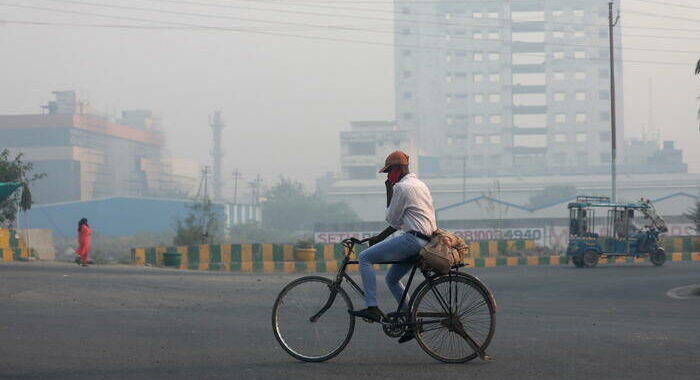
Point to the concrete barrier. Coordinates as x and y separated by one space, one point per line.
683 244
332 265
12 246
40 242
269 258
216 256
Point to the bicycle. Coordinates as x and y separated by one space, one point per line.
452 316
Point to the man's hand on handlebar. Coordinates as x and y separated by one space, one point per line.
354 240
374 240
381 236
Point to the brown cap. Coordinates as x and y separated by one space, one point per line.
395 158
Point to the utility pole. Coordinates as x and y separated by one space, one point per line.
650 122
464 178
203 190
255 190
613 157
236 176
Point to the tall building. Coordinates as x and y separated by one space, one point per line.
87 156
507 87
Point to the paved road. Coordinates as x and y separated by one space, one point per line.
59 321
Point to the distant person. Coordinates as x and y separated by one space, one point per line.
83 250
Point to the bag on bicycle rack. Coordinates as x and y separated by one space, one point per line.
444 250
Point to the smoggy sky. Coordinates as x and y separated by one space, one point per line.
285 99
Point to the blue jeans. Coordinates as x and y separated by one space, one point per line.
397 249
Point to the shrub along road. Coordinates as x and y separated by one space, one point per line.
60 321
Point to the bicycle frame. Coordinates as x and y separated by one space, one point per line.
447 314
342 275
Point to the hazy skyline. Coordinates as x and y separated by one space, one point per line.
285 99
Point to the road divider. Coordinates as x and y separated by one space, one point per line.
12 246
221 256
284 258
683 244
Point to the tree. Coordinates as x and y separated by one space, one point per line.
552 194
16 170
290 208
201 225
694 215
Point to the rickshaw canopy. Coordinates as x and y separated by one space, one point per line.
7 188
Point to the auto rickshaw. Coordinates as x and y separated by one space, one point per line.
619 234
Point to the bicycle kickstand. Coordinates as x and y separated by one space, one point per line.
482 354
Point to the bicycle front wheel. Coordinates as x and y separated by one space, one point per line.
310 322
447 309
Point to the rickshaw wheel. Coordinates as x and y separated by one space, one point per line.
577 260
590 259
658 257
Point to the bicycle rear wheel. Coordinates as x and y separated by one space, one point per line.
299 333
441 309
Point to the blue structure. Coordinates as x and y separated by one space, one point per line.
7 188
619 237
125 216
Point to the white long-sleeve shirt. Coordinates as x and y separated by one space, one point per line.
411 207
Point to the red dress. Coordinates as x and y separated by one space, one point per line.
83 243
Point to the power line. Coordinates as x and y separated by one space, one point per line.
660 37
200 28
394 12
663 16
127 26
318 38
205 15
287 23
228 5
487 19
668 4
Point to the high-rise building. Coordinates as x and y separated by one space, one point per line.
507 87
87 156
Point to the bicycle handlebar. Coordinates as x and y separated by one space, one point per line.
354 240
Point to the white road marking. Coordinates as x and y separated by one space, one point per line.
684 292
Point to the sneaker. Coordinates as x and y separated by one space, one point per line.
407 336
370 314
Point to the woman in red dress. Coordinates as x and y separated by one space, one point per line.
83 241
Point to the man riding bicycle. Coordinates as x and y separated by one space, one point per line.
410 209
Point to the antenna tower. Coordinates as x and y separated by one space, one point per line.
217 125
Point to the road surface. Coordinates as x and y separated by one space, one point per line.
61 321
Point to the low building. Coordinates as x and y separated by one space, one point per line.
125 216
367 197
486 218
645 156
368 143
89 156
